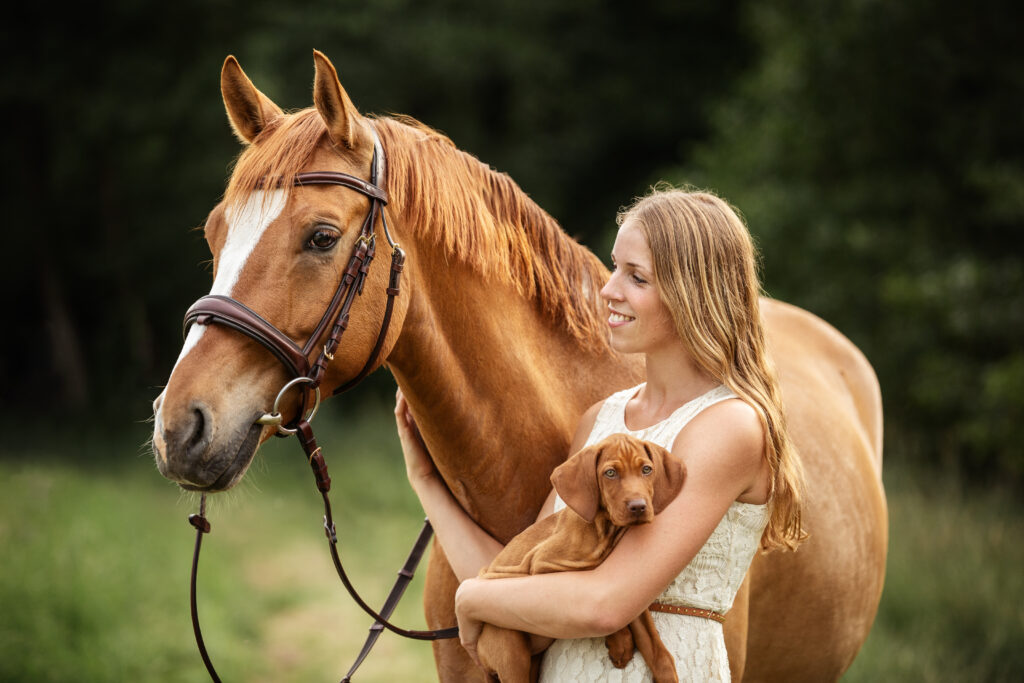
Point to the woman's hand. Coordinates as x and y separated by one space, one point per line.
469 626
418 465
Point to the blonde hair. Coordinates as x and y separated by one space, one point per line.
705 267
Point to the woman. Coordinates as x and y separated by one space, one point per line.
684 293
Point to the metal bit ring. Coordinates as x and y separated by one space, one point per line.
274 416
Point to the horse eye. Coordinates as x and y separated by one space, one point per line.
647 469
610 473
323 239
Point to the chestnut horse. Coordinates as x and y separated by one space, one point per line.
499 342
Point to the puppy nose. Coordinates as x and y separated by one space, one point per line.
637 506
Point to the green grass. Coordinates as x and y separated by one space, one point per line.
96 554
953 604
96 557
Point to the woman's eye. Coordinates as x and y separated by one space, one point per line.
610 473
639 280
647 469
322 240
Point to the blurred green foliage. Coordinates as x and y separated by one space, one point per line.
874 147
876 154
123 146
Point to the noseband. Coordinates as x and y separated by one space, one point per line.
223 310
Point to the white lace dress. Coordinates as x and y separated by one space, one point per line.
710 581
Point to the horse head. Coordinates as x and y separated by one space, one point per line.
281 249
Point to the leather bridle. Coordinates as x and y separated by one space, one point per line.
295 359
223 310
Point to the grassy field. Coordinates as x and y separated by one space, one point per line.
96 554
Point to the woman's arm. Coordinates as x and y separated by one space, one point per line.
723 449
466 545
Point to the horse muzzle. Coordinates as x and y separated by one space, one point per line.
198 454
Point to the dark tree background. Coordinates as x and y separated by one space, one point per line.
875 148
877 151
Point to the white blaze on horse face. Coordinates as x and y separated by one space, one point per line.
246 225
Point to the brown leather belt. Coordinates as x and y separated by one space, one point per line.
687 611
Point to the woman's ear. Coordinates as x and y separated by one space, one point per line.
669 474
575 480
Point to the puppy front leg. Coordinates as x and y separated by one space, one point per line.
505 654
654 652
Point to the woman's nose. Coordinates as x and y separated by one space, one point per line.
610 291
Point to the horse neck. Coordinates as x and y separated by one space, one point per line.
497 389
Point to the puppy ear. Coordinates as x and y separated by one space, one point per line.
669 473
575 480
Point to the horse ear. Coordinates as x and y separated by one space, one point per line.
669 474
333 103
249 110
575 480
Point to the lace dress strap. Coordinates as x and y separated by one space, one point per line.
611 420
611 416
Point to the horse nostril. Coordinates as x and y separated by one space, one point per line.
199 435
637 507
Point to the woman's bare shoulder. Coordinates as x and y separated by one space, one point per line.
728 436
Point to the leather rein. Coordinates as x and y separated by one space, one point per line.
223 310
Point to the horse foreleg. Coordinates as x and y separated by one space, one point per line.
452 661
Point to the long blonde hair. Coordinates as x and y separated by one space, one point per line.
706 271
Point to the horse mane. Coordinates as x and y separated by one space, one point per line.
481 217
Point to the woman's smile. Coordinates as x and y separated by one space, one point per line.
616 319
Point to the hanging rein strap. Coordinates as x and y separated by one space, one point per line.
323 483
405 575
223 310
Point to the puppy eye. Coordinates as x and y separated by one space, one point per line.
610 473
323 239
647 469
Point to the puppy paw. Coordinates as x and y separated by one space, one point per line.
620 647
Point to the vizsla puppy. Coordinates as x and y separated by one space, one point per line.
614 484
